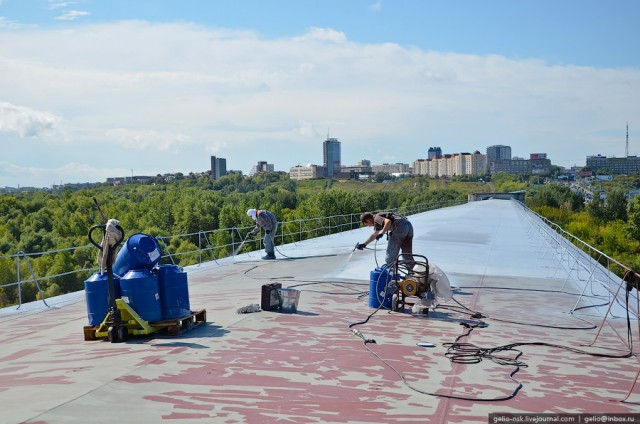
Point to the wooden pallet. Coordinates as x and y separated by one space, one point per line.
180 325
171 327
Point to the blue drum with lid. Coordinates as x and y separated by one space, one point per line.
140 251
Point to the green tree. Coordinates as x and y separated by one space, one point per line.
596 209
383 176
503 182
633 218
616 205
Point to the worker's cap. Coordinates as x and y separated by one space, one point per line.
252 214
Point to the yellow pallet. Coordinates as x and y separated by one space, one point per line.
135 325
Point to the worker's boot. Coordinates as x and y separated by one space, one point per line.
269 256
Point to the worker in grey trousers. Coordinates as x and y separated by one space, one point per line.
267 221
399 230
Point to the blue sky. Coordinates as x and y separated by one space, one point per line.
97 89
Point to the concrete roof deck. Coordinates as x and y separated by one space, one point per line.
309 367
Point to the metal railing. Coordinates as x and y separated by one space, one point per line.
582 262
205 246
586 265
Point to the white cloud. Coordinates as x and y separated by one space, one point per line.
377 6
216 148
146 90
72 15
323 34
308 130
147 139
59 4
7 24
25 121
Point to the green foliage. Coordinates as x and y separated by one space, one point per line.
555 196
596 209
614 239
383 176
193 213
633 222
506 183
581 225
616 205
559 216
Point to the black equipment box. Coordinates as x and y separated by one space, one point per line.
270 298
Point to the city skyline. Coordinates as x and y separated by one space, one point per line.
91 90
217 166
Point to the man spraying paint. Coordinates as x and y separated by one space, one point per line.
397 227
267 221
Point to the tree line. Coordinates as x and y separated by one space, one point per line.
38 222
611 225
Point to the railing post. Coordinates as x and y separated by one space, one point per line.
19 281
233 241
199 247
33 275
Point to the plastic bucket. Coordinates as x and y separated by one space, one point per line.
140 291
289 300
140 251
174 291
96 290
379 278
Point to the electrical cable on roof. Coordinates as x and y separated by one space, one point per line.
476 314
468 353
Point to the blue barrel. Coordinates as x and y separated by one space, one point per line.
140 251
140 291
379 278
174 291
96 290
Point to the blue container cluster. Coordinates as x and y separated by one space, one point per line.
155 292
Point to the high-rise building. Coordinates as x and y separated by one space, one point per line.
629 165
218 167
450 165
498 152
261 167
331 156
434 153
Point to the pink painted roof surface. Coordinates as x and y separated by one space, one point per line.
308 367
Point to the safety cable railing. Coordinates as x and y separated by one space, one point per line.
590 266
194 248
582 262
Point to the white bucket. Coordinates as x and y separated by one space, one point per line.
289 300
